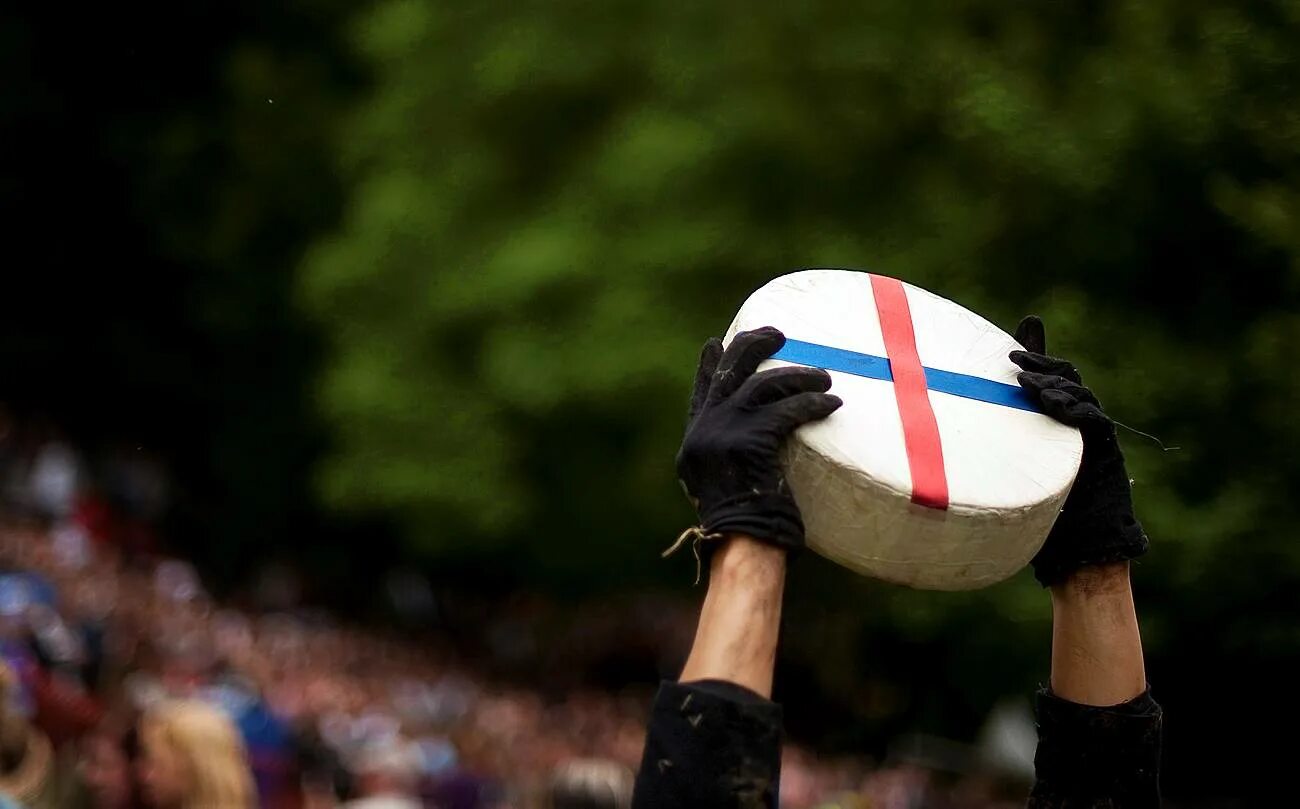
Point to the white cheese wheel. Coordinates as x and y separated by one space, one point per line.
938 472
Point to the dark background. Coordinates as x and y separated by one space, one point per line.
403 284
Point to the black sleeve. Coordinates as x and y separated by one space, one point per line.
1097 757
710 744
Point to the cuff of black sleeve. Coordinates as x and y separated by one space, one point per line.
1096 754
711 743
734 692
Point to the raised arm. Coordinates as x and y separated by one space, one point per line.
1096 647
735 640
1099 729
715 735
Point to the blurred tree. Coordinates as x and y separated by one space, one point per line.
552 205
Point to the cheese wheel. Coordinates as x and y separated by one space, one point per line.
939 472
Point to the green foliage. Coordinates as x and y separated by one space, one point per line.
554 204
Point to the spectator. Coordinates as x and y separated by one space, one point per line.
106 772
387 776
31 774
192 758
55 477
591 784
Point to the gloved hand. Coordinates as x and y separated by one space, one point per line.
729 460
1096 524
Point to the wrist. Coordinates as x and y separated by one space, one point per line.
741 559
1096 642
1090 581
740 620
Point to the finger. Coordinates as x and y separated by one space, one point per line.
1090 413
741 359
801 408
1057 404
1044 382
709 357
1031 335
775 384
1043 364
1068 408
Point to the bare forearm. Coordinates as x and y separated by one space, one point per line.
1099 730
1096 644
740 621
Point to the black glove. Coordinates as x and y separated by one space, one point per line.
1096 524
728 462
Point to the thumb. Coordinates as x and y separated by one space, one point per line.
1031 335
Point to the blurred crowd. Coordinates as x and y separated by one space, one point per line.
124 683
